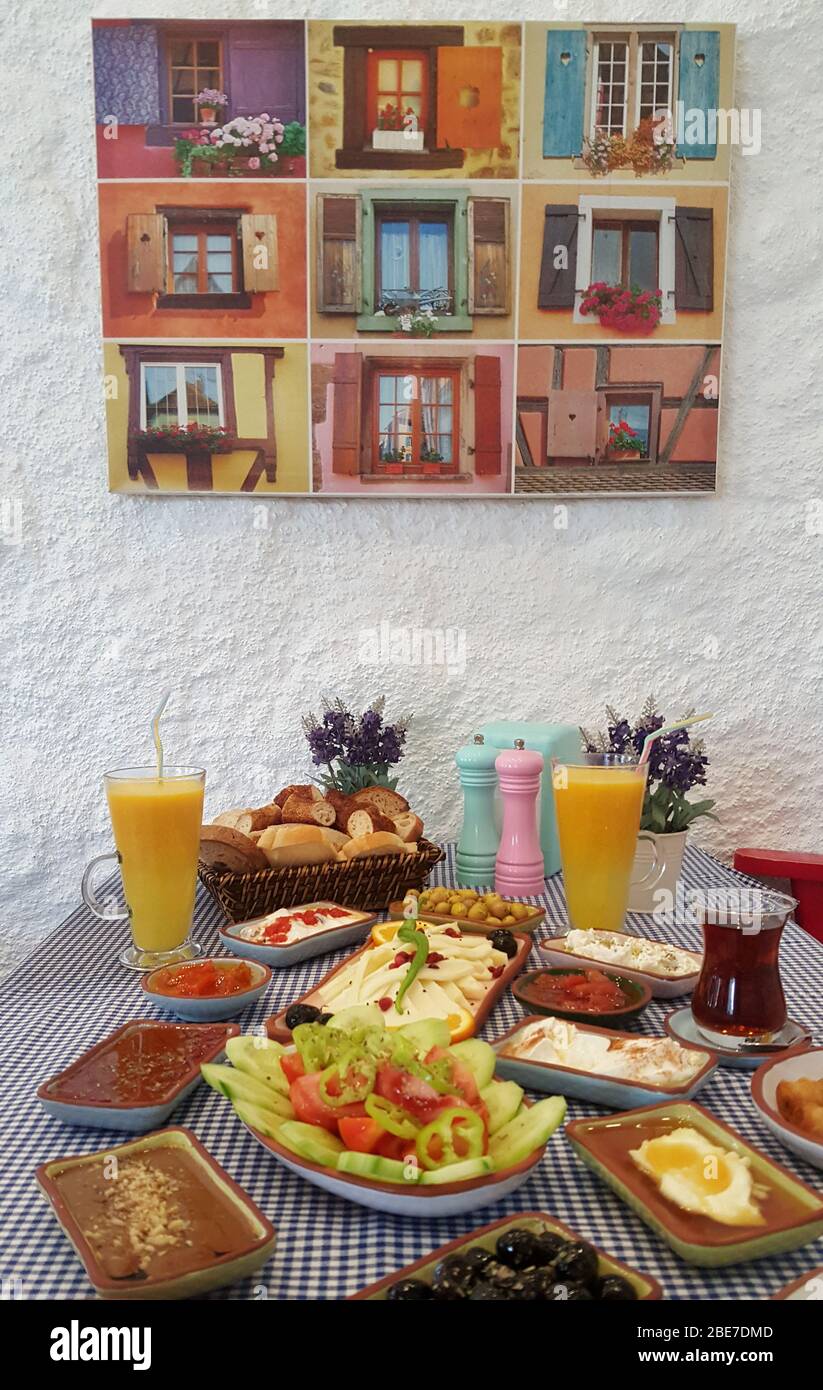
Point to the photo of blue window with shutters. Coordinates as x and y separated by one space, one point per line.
650 101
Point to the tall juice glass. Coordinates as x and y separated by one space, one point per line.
156 823
598 802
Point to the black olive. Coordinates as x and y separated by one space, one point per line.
567 1293
477 1259
500 1275
409 1291
615 1289
548 1246
516 1248
503 940
576 1264
303 1013
527 1288
487 1293
543 1282
453 1278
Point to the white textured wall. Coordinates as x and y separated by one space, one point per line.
712 602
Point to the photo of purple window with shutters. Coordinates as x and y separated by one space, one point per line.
199 98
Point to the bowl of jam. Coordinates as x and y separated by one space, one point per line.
204 990
581 996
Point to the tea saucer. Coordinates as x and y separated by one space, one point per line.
681 1025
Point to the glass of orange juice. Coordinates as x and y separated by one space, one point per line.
598 802
156 822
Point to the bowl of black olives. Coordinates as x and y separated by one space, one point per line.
525 1258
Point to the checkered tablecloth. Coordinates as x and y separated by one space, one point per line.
72 992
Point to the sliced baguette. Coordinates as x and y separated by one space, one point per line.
296 844
248 820
302 810
387 802
408 826
367 822
305 790
221 847
343 805
338 838
378 842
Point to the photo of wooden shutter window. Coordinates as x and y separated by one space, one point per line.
489 279
488 448
572 425
347 384
146 235
469 98
698 88
694 259
258 234
564 100
339 270
558 271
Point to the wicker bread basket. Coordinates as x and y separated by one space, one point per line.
365 883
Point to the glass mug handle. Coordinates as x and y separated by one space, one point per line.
89 897
656 869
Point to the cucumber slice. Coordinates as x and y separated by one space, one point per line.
478 1057
311 1142
265 1121
238 1085
358 1016
259 1057
459 1172
376 1167
426 1033
529 1129
502 1100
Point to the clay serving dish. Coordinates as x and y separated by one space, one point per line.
201 1008
292 952
799 1292
597 1087
526 924
219 1271
661 986
485 1237
793 1211
638 997
790 1066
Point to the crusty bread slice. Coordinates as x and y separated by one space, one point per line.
344 806
367 822
247 820
408 826
387 802
307 790
302 810
334 837
296 844
378 842
221 847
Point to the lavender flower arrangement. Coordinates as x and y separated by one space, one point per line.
677 763
357 750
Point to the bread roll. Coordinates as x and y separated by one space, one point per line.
387 802
363 822
296 844
408 826
247 820
344 806
224 848
302 810
338 838
302 789
379 842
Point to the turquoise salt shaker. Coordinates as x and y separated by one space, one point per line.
477 846
519 871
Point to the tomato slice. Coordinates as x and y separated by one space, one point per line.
292 1064
361 1133
309 1106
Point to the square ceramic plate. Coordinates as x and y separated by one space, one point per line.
599 1088
602 1144
661 986
316 944
133 1116
276 1027
222 1270
527 924
805 1062
486 1236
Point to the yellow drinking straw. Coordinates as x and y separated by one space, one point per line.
669 729
155 729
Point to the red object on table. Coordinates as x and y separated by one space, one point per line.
805 872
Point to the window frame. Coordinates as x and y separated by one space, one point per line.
660 208
627 394
626 226
374 57
202 230
655 38
594 128
454 199
179 367
632 37
173 37
416 215
419 370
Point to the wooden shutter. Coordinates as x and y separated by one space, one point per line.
488 446
339 271
564 100
556 287
258 233
469 98
572 427
146 248
347 383
488 222
699 86
694 259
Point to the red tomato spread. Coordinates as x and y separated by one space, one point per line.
580 991
204 979
144 1065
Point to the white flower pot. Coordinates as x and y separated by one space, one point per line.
407 141
645 896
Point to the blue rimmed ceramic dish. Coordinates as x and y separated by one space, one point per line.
316 943
598 1088
207 1008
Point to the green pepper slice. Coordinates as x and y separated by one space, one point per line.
390 1117
450 1124
418 939
356 1074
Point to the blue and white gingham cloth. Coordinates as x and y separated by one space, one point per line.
72 992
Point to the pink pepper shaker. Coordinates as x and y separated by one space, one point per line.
519 869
